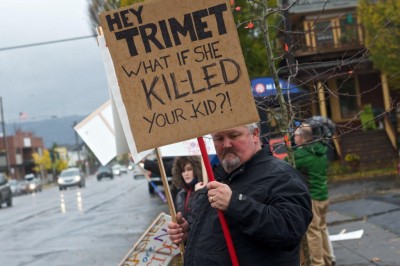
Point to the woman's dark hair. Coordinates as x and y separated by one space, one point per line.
179 165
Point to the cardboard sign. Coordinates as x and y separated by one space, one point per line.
180 70
188 147
154 247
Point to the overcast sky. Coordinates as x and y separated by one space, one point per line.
59 79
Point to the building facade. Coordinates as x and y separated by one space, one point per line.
19 149
329 58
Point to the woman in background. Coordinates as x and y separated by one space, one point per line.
187 175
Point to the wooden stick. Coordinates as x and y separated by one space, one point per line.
168 195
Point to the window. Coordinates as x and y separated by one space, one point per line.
323 34
348 29
347 92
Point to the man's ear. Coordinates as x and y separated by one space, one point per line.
256 135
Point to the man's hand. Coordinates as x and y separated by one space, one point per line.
219 195
178 231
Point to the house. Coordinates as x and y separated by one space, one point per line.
326 40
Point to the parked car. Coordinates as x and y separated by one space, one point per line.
23 186
33 183
5 191
104 171
14 186
123 169
71 177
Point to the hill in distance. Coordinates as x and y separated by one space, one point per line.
59 130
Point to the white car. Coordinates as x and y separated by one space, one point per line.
116 168
71 177
33 183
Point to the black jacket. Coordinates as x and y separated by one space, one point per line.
268 214
184 202
185 197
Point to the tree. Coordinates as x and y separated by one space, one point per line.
57 163
381 21
129 2
42 162
60 165
97 6
251 38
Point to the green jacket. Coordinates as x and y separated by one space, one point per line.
311 160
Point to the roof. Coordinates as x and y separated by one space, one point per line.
307 6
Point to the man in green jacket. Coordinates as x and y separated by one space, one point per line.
311 160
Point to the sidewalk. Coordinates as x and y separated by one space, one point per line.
374 206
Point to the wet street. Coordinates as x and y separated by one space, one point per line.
94 225
371 205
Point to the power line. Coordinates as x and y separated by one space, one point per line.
45 43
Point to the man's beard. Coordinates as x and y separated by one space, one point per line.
230 162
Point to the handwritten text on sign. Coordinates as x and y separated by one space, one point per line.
154 247
180 69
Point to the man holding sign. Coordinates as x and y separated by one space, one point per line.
265 201
179 66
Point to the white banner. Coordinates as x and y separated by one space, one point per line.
122 120
97 131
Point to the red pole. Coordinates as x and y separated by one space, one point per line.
221 216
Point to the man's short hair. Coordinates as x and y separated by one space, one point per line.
252 127
306 131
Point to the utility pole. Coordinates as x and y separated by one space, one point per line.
4 137
77 146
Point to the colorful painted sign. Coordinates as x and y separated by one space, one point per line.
154 247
